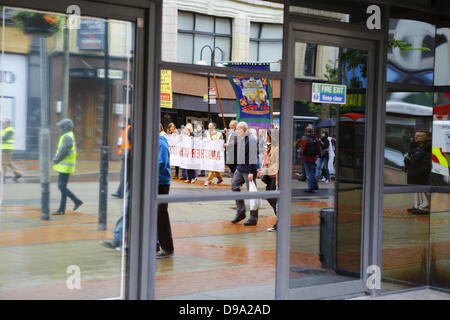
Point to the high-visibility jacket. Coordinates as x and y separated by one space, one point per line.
123 142
439 157
217 136
67 165
8 144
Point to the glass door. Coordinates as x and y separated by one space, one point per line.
331 109
62 235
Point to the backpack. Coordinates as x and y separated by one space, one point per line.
312 148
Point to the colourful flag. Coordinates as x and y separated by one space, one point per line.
253 97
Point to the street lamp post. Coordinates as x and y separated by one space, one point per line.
104 155
213 62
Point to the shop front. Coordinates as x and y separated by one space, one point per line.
364 216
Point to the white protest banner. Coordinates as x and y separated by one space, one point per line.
196 153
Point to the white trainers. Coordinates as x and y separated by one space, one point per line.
207 183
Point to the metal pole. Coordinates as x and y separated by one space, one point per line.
104 150
209 98
44 136
66 64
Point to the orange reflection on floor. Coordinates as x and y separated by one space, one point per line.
170 285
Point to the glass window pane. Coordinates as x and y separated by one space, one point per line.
310 59
187 117
254 51
271 52
224 44
271 31
442 68
201 51
439 237
53 214
185 41
441 140
223 26
405 241
254 30
214 258
185 20
408 138
411 52
204 23
327 180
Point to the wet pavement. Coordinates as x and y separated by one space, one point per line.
213 258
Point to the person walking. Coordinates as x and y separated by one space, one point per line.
418 166
246 171
231 147
118 239
8 135
64 163
124 146
165 246
213 134
270 173
310 151
322 159
190 173
172 130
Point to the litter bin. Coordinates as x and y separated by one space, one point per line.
328 238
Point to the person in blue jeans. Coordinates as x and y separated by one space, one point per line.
309 159
322 159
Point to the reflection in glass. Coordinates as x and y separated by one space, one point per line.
439 241
407 114
441 140
54 74
442 68
214 258
326 223
193 120
354 68
411 52
405 243
243 34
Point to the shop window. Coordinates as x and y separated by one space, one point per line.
310 60
200 126
196 31
266 44
408 125
441 140
442 68
46 238
439 242
406 240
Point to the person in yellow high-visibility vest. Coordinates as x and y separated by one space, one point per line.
8 134
64 163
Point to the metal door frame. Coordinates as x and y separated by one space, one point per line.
317 31
144 14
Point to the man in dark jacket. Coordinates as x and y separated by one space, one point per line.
246 170
322 160
418 167
64 163
309 155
